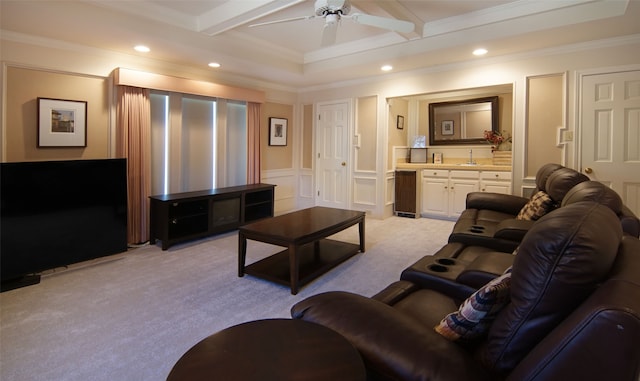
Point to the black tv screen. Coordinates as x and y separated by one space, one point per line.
57 213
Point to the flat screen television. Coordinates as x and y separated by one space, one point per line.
57 213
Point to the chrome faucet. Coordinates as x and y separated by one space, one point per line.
471 157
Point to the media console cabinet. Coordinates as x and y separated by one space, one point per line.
183 216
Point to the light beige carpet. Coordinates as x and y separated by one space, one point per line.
131 316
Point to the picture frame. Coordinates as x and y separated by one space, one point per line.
277 131
400 122
447 127
62 123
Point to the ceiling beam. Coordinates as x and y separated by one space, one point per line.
393 9
232 14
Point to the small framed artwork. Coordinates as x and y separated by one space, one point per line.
277 132
400 122
437 158
62 123
447 127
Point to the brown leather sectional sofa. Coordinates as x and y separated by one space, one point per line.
572 308
490 219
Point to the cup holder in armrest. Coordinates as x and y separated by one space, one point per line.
446 261
438 268
438 274
476 229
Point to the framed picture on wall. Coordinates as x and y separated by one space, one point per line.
447 127
277 132
62 123
400 122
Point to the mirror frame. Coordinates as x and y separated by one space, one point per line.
493 100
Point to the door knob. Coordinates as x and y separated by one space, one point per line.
344 164
588 170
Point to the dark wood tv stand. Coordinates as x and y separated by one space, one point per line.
183 216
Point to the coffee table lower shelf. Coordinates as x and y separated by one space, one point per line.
312 262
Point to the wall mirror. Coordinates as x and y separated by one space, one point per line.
462 122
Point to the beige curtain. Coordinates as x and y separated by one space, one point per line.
133 138
253 144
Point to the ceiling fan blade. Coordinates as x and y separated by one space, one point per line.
282 21
383 22
329 34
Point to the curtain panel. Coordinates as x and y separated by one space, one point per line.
133 142
253 143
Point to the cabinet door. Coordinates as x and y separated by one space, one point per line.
503 187
435 196
495 182
459 188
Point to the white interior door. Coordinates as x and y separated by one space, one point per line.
332 154
610 147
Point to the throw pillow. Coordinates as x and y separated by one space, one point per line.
539 205
475 315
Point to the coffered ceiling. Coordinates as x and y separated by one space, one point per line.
194 33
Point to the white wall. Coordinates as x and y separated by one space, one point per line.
20 50
604 55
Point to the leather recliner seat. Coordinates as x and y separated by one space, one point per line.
463 269
574 312
489 219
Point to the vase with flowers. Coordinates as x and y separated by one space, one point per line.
501 147
500 140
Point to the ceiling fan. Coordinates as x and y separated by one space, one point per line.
335 10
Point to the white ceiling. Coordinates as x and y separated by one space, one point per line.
194 33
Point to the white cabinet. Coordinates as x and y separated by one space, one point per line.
435 193
444 192
461 183
495 182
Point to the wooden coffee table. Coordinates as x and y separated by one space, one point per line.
309 253
271 350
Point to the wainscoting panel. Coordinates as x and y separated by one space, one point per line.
306 198
391 188
285 192
364 192
528 190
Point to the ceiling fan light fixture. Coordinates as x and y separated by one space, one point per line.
331 7
331 19
334 10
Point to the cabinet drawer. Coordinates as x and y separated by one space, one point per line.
435 173
465 174
495 175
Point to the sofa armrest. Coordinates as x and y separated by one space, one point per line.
485 268
603 330
505 203
438 274
512 229
393 345
395 292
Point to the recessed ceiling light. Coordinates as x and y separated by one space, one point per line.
214 64
142 49
480 52
386 68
